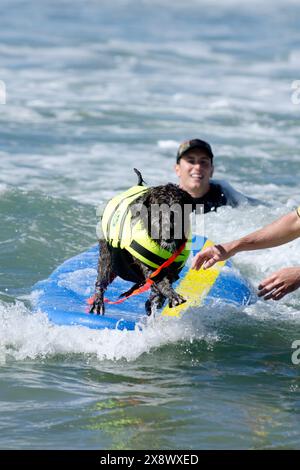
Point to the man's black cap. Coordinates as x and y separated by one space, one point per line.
194 143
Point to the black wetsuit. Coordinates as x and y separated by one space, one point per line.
213 199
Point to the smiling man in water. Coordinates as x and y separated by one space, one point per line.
194 168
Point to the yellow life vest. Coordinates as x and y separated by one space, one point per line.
298 211
119 231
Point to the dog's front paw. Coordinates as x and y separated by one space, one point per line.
175 300
97 306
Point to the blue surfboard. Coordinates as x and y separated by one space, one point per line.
63 296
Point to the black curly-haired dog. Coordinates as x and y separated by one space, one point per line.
115 262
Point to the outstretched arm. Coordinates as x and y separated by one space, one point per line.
283 230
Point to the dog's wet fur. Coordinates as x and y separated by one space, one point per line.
115 262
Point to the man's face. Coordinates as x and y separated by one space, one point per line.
194 170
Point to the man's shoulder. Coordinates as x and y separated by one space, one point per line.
217 194
215 187
213 199
234 197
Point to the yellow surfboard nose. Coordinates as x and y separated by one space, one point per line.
194 287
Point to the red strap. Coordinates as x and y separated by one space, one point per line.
148 281
169 261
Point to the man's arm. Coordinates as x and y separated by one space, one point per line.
283 230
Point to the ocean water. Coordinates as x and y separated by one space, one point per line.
94 89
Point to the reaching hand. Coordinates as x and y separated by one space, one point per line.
212 255
280 283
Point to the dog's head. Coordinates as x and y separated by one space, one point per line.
165 214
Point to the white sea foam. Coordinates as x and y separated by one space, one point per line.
26 335
3 188
80 281
168 144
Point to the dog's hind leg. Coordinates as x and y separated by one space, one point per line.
164 288
104 278
156 300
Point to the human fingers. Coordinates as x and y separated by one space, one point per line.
268 285
210 262
198 261
201 258
266 282
204 258
269 290
278 292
